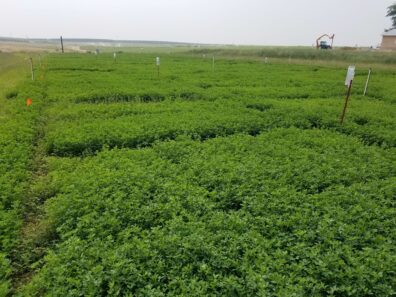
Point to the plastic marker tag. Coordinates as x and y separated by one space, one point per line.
29 102
350 75
157 61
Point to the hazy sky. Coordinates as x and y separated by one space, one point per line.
261 22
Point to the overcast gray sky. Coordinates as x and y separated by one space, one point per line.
256 22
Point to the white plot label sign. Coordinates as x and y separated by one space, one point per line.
350 75
157 61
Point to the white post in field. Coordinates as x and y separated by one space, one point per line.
367 82
158 63
31 67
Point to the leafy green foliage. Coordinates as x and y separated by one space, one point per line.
392 14
17 134
84 129
134 78
5 273
240 215
233 182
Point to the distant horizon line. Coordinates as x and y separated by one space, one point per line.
7 38
153 42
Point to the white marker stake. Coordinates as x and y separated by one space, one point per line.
348 82
367 82
158 63
31 67
266 60
115 57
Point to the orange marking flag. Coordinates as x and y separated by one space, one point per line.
28 102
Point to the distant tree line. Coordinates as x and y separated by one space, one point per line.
392 14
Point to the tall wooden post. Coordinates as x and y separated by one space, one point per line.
61 39
346 103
